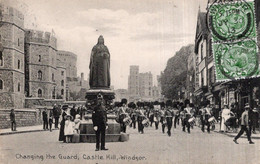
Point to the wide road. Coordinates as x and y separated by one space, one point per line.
150 147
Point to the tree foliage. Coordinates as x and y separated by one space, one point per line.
174 76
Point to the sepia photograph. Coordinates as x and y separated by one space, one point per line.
129 81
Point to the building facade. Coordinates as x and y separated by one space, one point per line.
61 79
74 84
207 90
40 67
32 70
70 61
140 86
133 82
190 81
146 86
11 57
121 94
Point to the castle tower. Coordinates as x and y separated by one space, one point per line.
11 58
133 81
40 68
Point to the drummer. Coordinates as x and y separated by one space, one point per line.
162 115
187 116
140 118
156 114
205 115
133 115
176 114
122 115
169 115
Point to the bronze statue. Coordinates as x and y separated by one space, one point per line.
99 66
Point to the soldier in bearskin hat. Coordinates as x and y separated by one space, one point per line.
133 114
176 114
151 114
168 116
122 115
187 116
140 117
156 114
162 114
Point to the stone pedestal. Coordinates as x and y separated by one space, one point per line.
87 133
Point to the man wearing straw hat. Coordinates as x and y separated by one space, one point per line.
244 125
99 119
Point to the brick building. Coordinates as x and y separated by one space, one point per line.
11 57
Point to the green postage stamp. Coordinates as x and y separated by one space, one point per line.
234 40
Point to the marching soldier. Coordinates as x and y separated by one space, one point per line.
162 114
140 118
176 115
156 114
133 114
187 116
169 115
206 113
122 115
151 115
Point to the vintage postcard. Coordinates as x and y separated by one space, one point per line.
130 81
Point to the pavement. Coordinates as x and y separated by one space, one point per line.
27 129
39 128
151 147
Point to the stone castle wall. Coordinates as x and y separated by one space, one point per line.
40 48
70 61
12 70
23 117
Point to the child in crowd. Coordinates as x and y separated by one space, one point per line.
77 124
69 127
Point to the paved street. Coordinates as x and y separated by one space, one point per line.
151 147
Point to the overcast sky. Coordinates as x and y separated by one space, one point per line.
137 32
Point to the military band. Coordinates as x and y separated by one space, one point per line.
162 113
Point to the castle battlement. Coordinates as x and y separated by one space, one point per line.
11 15
41 37
67 54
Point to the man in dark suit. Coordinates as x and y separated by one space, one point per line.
13 122
56 115
99 119
45 119
73 112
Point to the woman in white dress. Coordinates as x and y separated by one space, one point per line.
225 115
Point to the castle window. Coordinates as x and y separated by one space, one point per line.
40 75
62 92
40 58
39 93
52 76
18 42
19 87
1 59
62 73
62 82
1 84
18 64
